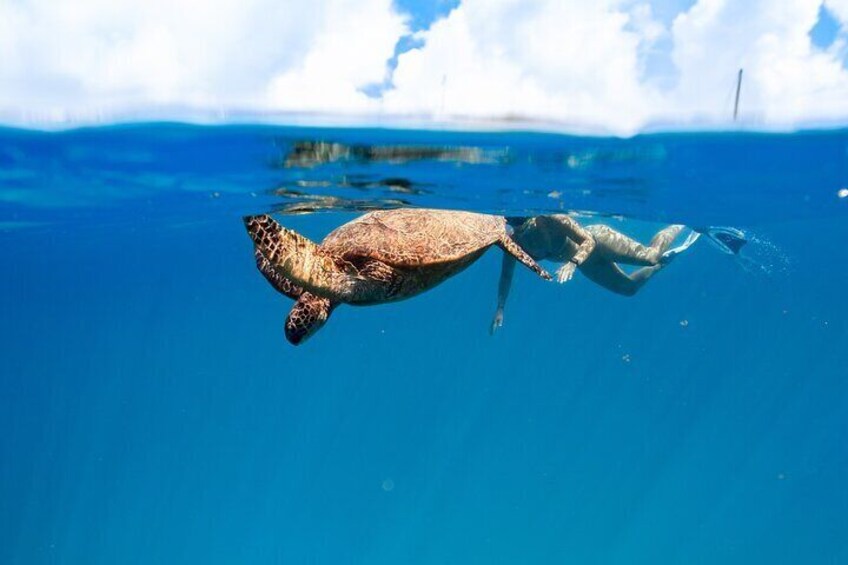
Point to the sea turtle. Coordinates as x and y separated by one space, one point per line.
382 256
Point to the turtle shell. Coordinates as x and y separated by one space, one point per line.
415 237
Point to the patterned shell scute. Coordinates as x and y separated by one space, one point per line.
415 237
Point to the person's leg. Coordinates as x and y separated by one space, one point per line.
618 248
663 239
610 276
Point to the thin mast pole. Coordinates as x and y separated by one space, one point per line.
738 89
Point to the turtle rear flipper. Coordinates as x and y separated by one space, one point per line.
510 246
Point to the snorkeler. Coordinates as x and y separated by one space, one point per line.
596 250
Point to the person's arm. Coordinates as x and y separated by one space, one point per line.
507 269
564 226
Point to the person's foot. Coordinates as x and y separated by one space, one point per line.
669 255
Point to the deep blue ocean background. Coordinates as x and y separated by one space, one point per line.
152 411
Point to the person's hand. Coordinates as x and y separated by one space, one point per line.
496 322
565 272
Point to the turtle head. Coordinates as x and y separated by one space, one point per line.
307 316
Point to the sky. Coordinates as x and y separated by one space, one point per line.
616 66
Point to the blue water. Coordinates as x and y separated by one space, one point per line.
152 411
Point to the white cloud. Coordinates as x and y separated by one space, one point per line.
581 62
71 58
564 59
349 52
839 8
786 80
571 61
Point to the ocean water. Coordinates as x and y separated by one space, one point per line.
152 411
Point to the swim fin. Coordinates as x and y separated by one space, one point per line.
687 243
727 240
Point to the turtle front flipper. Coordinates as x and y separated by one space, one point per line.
308 265
298 259
510 246
307 316
278 281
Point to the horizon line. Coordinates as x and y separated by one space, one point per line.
192 116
